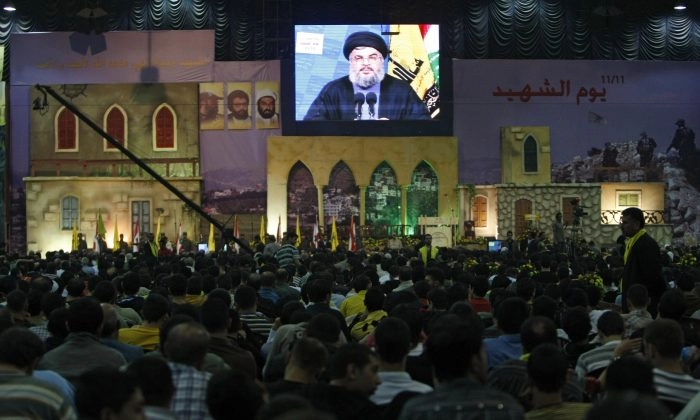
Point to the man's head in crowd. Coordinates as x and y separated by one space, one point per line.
354 367
187 344
510 315
85 315
456 350
663 340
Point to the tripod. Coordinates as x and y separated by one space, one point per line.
573 239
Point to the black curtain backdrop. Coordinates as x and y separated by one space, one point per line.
248 30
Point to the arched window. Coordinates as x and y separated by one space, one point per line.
383 197
115 124
70 212
341 198
66 129
164 128
302 200
422 194
530 154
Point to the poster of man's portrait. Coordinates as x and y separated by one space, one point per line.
238 106
267 104
211 106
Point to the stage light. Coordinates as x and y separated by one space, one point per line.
9 6
679 6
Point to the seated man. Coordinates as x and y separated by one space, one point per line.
21 395
393 341
611 328
512 377
548 371
186 350
306 363
216 319
456 350
155 312
82 350
663 343
108 393
510 315
354 378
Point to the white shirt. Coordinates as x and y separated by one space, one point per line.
394 383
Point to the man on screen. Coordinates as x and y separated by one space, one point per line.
367 93
238 105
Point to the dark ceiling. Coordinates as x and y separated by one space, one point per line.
261 29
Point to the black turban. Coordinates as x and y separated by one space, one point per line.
365 39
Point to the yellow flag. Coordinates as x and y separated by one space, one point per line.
211 243
298 243
101 230
334 236
415 59
74 243
116 235
158 233
263 231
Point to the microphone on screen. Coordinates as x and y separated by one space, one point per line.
371 101
359 101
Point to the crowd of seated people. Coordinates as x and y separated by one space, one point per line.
383 334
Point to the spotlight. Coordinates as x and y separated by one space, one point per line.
9 6
41 104
679 6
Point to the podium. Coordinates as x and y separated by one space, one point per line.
442 229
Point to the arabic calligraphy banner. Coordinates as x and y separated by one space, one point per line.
586 104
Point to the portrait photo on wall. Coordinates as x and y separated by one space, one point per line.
238 106
211 106
267 104
367 72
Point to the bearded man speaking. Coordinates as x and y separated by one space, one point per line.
367 92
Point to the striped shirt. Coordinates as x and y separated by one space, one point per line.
257 323
287 255
675 387
23 396
595 360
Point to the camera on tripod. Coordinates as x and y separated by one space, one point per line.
578 211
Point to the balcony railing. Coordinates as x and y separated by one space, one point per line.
165 167
386 231
612 217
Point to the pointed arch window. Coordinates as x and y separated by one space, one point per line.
66 129
164 128
115 124
383 197
422 194
302 199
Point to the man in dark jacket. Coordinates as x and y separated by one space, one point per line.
367 93
642 259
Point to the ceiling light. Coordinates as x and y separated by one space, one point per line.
679 6
9 6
